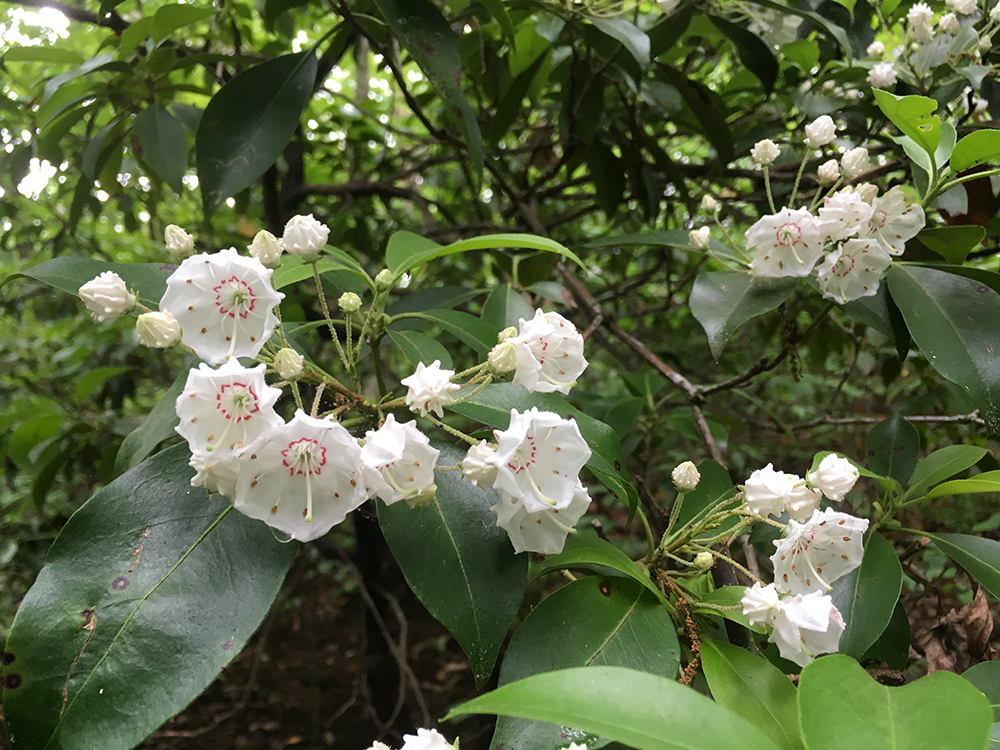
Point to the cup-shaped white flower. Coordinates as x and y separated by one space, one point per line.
477 466
844 214
305 236
179 243
760 604
224 303
379 746
430 389
852 270
788 243
882 75
814 554
158 330
538 459
549 353
771 493
893 221
223 411
398 463
302 478
807 626
765 152
216 473
266 248
106 296
426 739
543 531
834 477
820 131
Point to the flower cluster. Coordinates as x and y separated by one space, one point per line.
424 739
545 353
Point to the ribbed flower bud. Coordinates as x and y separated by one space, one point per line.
349 302
158 329
686 476
288 363
266 248
384 279
179 243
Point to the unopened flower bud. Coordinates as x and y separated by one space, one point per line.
995 14
820 131
349 302
876 49
384 279
855 162
829 171
305 236
477 465
106 296
421 498
158 329
288 363
266 248
179 243
686 476
708 203
503 358
867 191
765 152
704 561
507 333
699 238
985 43
949 24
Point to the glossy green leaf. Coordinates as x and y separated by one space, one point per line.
986 678
892 448
867 596
837 33
893 646
169 18
147 280
509 106
754 689
630 36
156 427
699 100
458 563
418 347
943 464
595 554
248 123
433 298
714 487
85 68
842 708
162 144
293 269
407 250
47 53
914 115
728 597
638 709
950 318
499 12
615 622
978 147
492 406
133 36
754 53
91 381
150 590
506 307
988 481
722 301
952 243
979 556
468 329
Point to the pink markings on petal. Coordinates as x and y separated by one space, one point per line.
304 456
236 407
234 297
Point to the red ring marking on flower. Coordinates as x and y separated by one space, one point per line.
246 305
313 465
225 413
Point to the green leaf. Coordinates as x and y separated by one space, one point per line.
978 147
248 123
615 622
593 554
943 464
162 144
754 53
986 677
468 329
155 428
294 269
867 596
91 381
754 689
628 34
406 250
46 53
133 36
842 708
505 307
979 556
492 406
722 301
89 66
169 18
150 590
433 298
418 347
988 481
147 280
714 487
458 563
509 106
893 646
729 597
950 318
713 122
640 710
892 448
499 12
914 115
952 243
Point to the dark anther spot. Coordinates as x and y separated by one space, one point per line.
227 645
12 681
618 465
120 583
871 452
8 658
605 587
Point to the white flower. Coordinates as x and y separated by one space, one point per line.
542 531
920 17
379 746
398 463
216 474
771 493
807 626
765 152
302 478
179 243
686 476
816 553
760 604
867 191
875 49
985 43
222 411
820 131
503 358
965 7
106 296
708 203
538 459
549 353
668 6
224 303
426 739
843 214
949 24
430 388
266 248
159 330
855 162
995 14
853 270
834 477
882 75
894 221
288 363
477 466
573 745
304 236
349 302
828 172
699 238
788 243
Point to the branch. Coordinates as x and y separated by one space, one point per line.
112 20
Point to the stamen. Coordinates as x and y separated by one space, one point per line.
538 491
222 437
309 496
560 524
232 343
